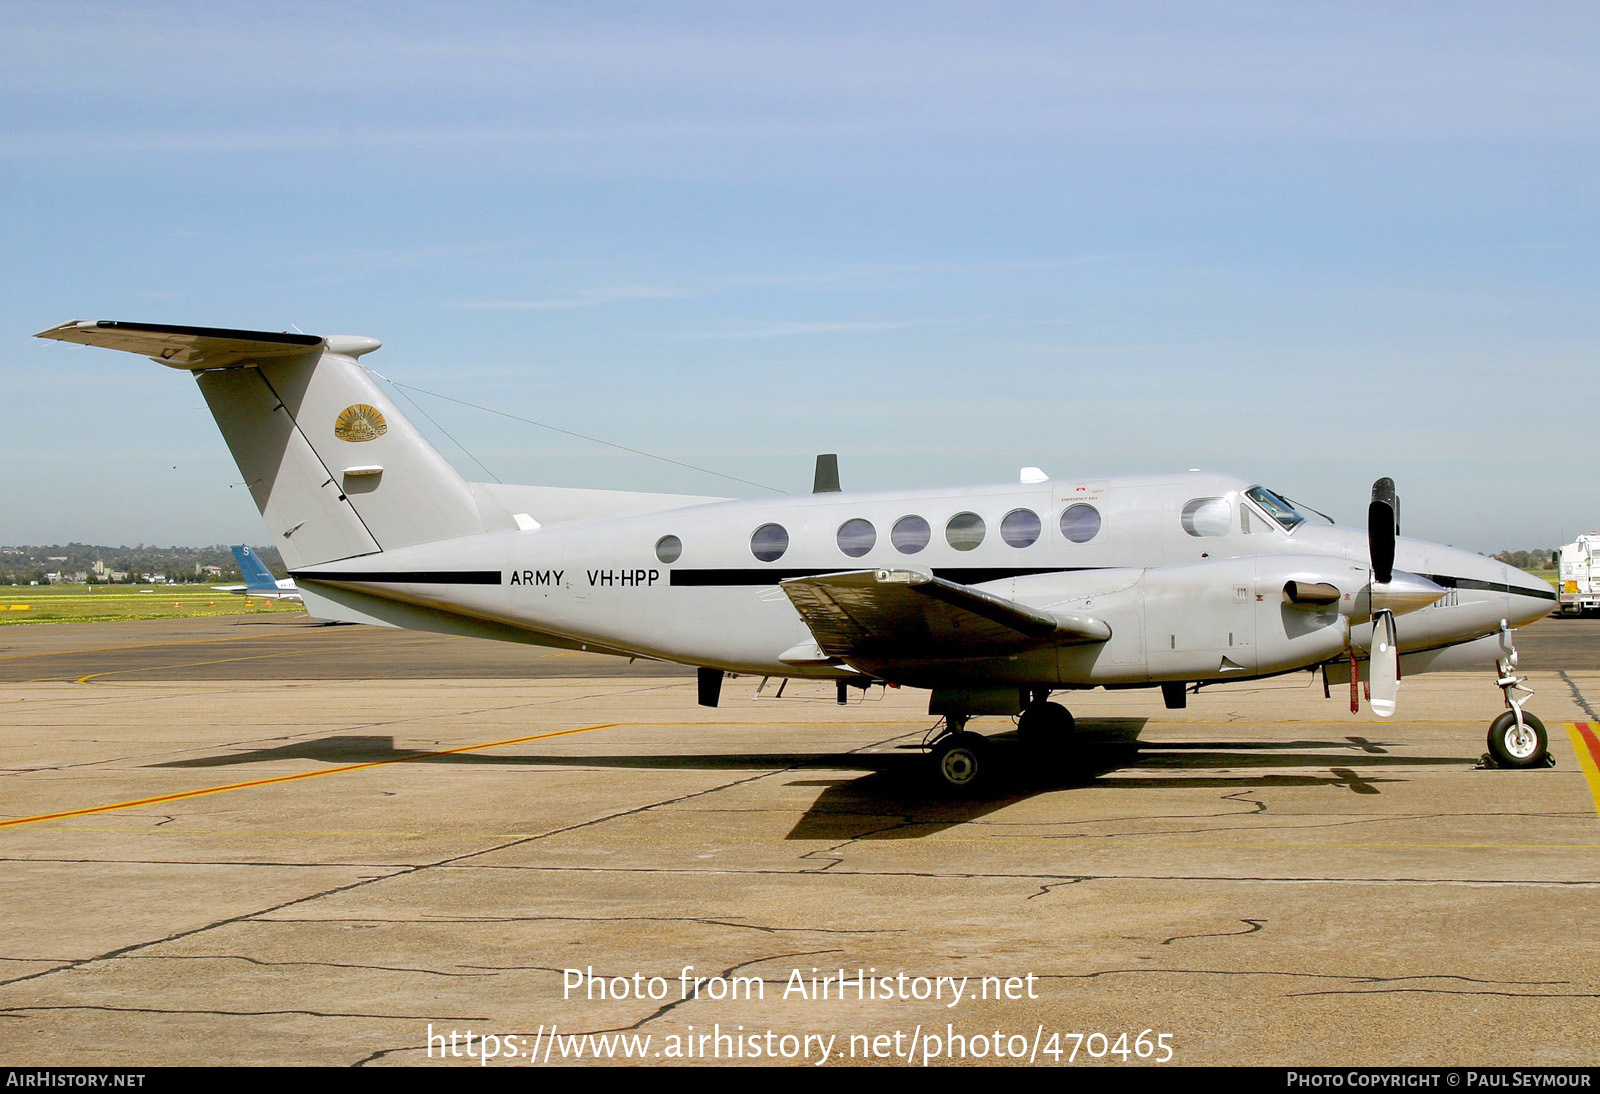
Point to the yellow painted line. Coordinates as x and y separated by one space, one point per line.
134 646
1163 724
1586 744
182 794
216 661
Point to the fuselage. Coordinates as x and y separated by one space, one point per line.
1188 570
1125 581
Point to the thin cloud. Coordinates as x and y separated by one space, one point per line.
590 299
787 330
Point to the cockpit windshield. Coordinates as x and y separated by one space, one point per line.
1277 508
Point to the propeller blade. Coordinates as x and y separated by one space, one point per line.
1383 524
1384 664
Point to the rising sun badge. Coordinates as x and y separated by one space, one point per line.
360 423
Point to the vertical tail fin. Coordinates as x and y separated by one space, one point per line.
257 578
336 470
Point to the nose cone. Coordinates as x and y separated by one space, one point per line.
1521 597
1530 598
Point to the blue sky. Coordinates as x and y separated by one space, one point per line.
1313 244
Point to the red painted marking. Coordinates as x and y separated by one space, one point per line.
1590 740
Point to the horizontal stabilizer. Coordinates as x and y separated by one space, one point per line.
907 614
187 347
335 468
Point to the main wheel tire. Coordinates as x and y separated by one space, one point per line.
961 762
1044 728
1514 746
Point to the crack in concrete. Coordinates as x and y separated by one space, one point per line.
1452 991
707 921
23 1010
122 951
974 874
831 850
1235 796
272 863
1578 697
1348 977
1285 825
1252 927
1045 890
283 964
1239 796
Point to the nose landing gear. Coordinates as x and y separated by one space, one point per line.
1516 738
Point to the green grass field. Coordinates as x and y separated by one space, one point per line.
105 603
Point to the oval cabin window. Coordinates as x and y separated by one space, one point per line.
769 542
910 535
857 537
1080 523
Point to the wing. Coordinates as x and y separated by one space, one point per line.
888 615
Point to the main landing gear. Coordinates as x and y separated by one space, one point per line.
963 762
1516 738
1045 728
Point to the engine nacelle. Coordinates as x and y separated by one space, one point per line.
1213 620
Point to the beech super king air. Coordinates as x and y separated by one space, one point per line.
990 597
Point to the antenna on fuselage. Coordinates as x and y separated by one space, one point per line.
826 479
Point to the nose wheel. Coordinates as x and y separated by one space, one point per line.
1515 743
1516 738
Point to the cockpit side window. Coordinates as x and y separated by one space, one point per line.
1276 507
1207 517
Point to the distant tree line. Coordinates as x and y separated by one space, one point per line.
1539 559
20 565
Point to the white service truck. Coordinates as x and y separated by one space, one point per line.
1578 570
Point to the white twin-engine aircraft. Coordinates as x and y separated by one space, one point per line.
990 597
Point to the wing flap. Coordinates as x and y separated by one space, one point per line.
908 614
191 348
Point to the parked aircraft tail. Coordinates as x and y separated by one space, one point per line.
257 578
259 581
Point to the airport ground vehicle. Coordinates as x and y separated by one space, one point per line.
1578 572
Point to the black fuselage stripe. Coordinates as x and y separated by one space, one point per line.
405 577
1449 582
960 574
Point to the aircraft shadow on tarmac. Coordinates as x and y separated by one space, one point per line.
893 790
